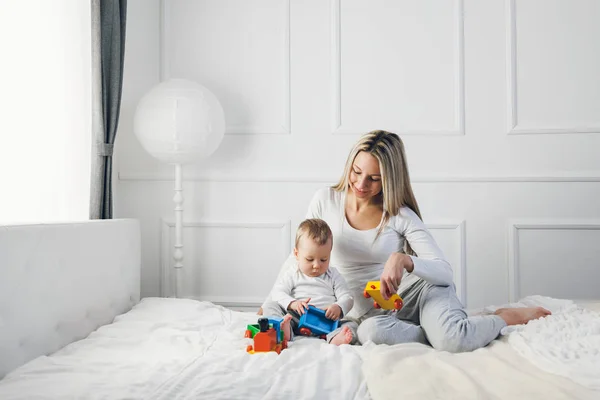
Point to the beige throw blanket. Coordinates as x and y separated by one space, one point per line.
556 358
415 371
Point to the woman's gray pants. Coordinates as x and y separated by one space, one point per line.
432 315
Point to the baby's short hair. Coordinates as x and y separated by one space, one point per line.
315 229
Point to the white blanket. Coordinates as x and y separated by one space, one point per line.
552 358
173 348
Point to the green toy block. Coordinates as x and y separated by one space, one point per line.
253 328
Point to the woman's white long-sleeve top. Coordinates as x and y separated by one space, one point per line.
360 258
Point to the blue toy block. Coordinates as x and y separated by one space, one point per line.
276 323
315 320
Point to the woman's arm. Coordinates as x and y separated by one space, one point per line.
429 264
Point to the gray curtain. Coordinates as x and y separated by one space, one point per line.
108 50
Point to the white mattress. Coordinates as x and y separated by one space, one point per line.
173 348
167 348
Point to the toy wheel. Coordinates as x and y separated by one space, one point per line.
248 334
305 331
376 305
249 348
367 295
278 348
324 337
398 304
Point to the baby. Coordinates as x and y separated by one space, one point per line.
311 280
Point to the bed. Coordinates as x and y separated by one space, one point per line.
72 326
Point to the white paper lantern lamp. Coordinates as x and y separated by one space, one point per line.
179 122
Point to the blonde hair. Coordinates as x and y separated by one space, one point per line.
316 230
396 190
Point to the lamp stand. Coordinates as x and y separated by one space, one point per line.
178 253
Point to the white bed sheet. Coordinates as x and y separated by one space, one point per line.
176 348
180 349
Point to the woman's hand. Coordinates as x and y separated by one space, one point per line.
392 273
333 312
300 306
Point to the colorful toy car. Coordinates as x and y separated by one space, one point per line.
314 323
267 335
373 290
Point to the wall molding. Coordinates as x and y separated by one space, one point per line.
512 95
166 269
336 79
232 301
515 226
243 178
166 272
285 127
460 228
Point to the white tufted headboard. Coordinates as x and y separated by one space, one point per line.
59 282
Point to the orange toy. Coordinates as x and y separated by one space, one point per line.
373 290
265 340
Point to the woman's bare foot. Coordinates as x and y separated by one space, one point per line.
517 316
286 327
343 337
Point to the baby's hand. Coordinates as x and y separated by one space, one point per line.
333 312
300 306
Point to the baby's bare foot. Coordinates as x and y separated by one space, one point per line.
343 337
516 316
286 327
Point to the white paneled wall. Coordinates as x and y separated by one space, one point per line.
552 67
498 103
381 65
250 251
542 254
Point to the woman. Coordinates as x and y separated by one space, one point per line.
379 235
